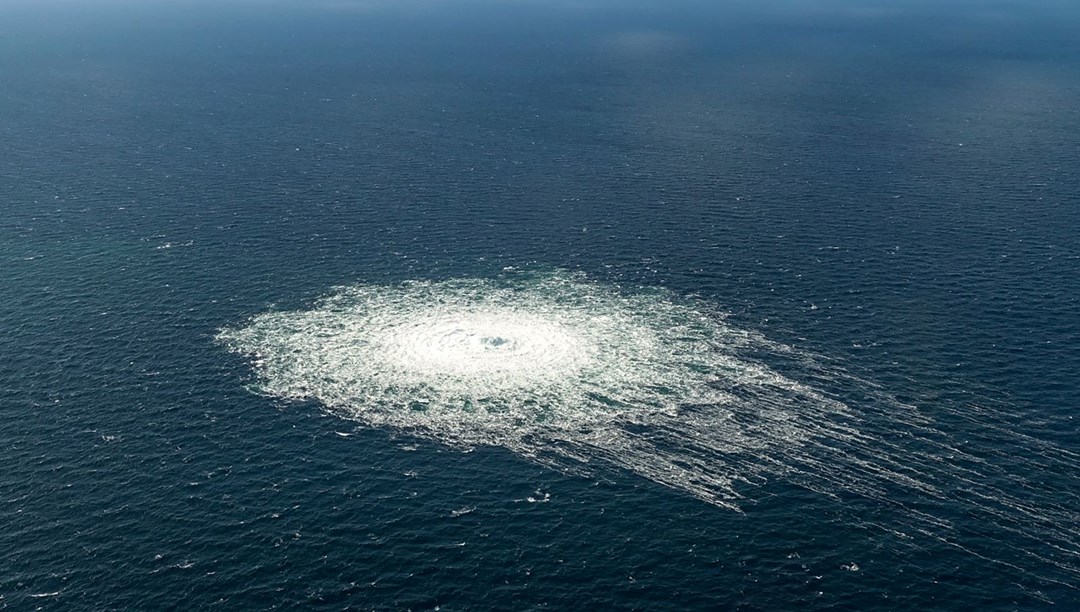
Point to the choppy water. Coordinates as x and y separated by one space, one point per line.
389 306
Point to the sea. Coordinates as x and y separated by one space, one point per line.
539 305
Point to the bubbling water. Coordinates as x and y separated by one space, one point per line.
552 367
583 376
485 350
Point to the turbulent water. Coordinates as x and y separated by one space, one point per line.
577 374
554 367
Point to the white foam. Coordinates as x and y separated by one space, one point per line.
581 376
552 367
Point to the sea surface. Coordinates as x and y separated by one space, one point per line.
474 305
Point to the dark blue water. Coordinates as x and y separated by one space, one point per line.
891 189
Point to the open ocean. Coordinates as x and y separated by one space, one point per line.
578 304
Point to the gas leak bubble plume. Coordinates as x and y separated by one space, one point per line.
554 368
585 376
